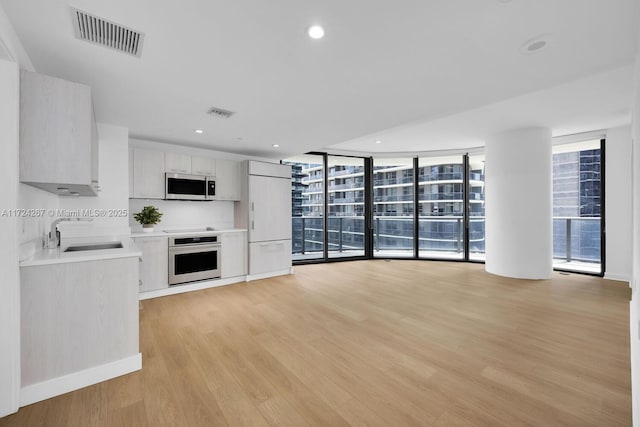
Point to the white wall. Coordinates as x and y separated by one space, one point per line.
634 312
618 203
10 284
186 214
113 177
518 223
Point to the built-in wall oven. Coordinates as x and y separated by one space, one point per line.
194 257
189 187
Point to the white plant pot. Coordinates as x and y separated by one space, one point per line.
147 228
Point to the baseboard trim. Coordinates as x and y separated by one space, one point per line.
189 287
54 387
618 277
269 274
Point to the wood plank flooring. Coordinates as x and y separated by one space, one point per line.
371 343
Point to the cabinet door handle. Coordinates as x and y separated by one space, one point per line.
253 225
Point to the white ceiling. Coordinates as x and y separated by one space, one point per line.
597 102
381 65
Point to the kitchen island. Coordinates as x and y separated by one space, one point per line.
79 319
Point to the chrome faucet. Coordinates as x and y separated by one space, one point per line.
54 234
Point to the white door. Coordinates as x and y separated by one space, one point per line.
269 208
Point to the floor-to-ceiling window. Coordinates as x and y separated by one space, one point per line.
346 206
577 206
441 207
476 207
307 206
393 207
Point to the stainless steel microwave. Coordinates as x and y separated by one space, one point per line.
189 187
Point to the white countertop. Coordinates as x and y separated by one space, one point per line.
160 233
45 256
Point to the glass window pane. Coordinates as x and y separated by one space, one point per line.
440 204
307 206
346 206
576 207
476 208
393 207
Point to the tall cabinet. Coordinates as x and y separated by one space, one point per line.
265 211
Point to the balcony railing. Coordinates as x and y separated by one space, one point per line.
574 238
444 176
392 181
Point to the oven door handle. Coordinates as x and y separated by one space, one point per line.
192 249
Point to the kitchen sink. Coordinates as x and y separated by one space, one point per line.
94 247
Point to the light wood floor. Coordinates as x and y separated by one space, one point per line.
371 343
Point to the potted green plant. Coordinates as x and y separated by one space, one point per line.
148 217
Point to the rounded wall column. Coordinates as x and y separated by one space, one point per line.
518 194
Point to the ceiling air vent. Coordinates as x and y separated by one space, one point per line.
100 31
219 112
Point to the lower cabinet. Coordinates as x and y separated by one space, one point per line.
76 316
267 257
234 254
154 265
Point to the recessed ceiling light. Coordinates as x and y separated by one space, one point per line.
198 131
378 142
536 44
316 32
276 145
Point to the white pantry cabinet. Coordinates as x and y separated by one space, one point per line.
270 208
234 254
227 180
177 163
203 166
154 265
265 210
148 174
58 135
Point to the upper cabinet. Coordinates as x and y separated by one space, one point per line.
148 174
227 180
177 163
58 136
203 166
147 170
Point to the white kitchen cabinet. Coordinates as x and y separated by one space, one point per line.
58 135
265 210
154 265
203 166
131 169
272 256
270 208
234 254
227 180
177 163
74 317
148 174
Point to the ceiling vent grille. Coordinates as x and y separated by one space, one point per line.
94 29
219 112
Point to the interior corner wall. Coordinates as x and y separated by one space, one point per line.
10 283
618 204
